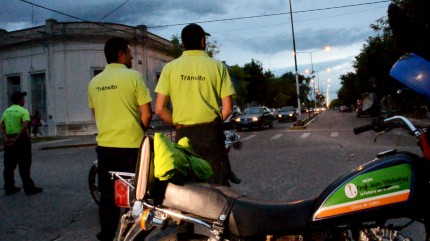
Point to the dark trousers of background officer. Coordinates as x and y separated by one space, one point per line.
18 154
112 159
208 141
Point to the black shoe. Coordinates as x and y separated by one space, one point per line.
10 191
233 178
34 190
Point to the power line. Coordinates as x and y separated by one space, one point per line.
113 10
297 21
208 21
84 20
53 10
272 14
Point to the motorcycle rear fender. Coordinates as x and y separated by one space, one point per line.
381 186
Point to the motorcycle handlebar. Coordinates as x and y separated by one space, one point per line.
379 124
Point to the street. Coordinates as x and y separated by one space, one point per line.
274 164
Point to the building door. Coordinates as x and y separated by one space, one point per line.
13 85
38 95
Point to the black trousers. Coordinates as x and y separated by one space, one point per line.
209 142
112 159
19 155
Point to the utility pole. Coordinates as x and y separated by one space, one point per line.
295 64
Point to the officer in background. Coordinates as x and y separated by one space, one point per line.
15 122
195 84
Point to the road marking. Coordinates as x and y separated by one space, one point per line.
276 136
248 137
304 135
335 134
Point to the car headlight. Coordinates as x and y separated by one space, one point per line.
237 120
291 114
279 116
254 118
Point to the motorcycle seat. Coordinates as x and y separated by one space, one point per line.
248 217
200 199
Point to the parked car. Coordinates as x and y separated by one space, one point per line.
230 122
287 113
274 112
345 108
254 117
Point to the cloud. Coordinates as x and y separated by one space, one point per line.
306 40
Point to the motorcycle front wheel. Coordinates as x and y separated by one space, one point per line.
93 184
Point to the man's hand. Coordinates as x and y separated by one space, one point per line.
9 141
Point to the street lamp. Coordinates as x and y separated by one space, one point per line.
327 48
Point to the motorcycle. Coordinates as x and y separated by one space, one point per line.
360 205
232 140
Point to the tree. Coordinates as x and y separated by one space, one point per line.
177 49
404 30
212 48
238 76
257 84
348 93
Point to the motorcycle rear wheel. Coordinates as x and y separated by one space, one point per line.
93 184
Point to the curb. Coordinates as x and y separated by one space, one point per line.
66 146
293 127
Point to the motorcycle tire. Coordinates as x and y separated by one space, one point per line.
93 184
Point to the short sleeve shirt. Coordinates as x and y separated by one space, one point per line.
14 117
195 83
115 95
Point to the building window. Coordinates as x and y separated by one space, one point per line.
158 74
96 71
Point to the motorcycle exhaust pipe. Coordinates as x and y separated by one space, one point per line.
150 220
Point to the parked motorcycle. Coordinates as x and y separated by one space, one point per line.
232 140
360 205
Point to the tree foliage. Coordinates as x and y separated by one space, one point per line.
212 48
405 30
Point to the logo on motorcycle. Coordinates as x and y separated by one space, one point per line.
351 190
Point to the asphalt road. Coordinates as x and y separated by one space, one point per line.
274 164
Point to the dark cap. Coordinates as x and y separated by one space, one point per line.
193 29
17 96
192 34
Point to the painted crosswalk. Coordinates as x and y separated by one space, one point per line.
333 134
248 137
276 136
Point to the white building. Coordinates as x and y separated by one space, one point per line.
54 64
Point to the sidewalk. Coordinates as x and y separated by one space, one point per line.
67 142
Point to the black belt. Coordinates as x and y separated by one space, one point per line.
179 126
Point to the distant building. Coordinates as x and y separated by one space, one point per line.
54 64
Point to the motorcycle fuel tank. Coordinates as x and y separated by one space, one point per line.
374 185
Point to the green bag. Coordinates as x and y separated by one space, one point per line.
178 161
